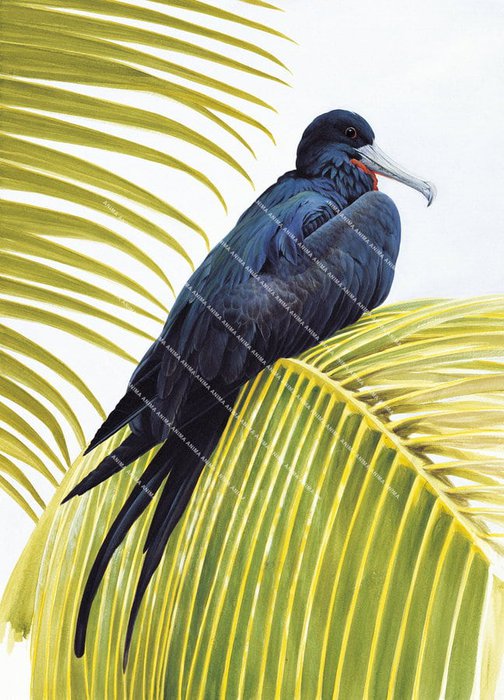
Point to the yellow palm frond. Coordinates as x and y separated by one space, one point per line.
64 72
342 542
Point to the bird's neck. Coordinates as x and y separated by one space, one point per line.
350 178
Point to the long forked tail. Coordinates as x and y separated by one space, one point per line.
181 458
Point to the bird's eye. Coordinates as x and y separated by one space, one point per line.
351 132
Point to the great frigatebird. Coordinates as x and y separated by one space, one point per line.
307 258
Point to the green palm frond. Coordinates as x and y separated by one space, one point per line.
342 542
52 56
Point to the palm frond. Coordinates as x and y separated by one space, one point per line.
57 60
362 490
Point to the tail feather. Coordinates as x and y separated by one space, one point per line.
127 452
135 445
169 496
205 438
131 404
182 460
127 412
134 506
157 546
185 471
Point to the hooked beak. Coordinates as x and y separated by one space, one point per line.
376 160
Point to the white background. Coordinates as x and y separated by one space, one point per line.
428 77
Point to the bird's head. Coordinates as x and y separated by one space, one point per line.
341 138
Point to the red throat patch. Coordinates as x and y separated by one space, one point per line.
369 172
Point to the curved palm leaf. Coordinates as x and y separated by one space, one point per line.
48 53
19 386
362 490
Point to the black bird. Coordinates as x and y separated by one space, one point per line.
307 258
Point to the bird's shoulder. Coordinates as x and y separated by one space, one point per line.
273 227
